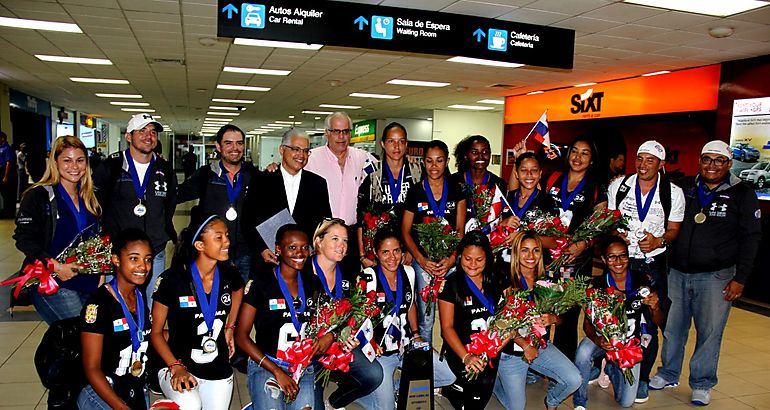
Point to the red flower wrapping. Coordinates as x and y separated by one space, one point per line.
336 359
298 355
561 244
498 236
626 355
35 271
430 293
484 343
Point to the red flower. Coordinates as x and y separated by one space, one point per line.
106 240
362 285
71 259
344 306
617 214
447 229
352 322
371 296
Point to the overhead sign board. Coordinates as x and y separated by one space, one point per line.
389 28
364 131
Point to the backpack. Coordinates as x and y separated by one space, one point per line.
665 195
58 359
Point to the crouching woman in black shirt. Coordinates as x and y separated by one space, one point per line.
115 324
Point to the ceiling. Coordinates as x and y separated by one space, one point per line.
156 45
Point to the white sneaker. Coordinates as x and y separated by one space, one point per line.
580 408
701 397
659 383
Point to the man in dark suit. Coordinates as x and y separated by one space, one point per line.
302 192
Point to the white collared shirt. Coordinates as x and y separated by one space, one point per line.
291 185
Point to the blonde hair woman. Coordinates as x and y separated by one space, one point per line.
53 212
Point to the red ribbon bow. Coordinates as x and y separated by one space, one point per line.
35 270
430 293
298 355
484 342
561 244
336 359
499 235
627 355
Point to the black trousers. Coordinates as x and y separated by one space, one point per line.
473 394
657 270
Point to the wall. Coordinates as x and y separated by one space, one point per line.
5 112
452 126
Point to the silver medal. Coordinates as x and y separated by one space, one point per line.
644 291
209 345
231 214
140 210
640 234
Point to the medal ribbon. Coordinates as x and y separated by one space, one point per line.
440 208
395 185
208 305
135 330
290 300
337 279
525 286
630 293
566 201
487 302
643 209
139 187
706 196
234 187
80 216
389 293
519 212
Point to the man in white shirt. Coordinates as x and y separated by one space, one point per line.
655 210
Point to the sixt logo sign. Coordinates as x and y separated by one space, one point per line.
586 102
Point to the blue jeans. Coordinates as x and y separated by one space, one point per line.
624 393
550 362
261 399
63 304
384 397
425 322
158 266
88 399
243 264
695 297
362 379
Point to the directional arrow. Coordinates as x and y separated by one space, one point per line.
229 9
479 33
361 21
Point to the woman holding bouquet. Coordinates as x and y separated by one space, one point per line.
330 242
465 306
526 269
435 198
115 326
53 213
199 297
277 304
641 306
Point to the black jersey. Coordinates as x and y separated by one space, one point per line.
462 180
541 202
346 284
103 315
274 328
187 328
392 343
582 204
470 315
636 311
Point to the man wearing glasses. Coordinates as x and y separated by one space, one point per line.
655 210
301 192
710 262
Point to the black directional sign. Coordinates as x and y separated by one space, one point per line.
390 28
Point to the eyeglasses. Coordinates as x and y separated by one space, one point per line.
614 258
719 161
335 132
297 150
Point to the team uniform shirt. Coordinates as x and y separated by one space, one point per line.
461 179
582 206
386 202
654 222
187 328
391 344
542 202
348 279
637 312
103 315
273 326
417 203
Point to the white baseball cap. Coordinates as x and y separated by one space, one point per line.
717 147
653 148
139 121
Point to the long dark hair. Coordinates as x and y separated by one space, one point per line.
184 251
490 281
463 147
592 166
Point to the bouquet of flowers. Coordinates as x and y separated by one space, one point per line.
439 241
544 224
607 313
373 222
559 297
429 293
599 223
482 200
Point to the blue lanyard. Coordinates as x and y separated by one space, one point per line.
487 302
566 201
440 208
208 305
80 215
290 300
395 185
629 292
643 209
337 280
139 187
519 212
232 191
525 286
388 293
705 198
137 332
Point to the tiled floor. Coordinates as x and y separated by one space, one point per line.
744 371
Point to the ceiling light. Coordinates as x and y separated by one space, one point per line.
721 31
217 107
39 25
429 118
155 117
479 61
105 95
135 104
230 100
288 122
317 118
137 109
496 102
656 73
380 96
98 80
711 8
76 60
229 114
262 71
209 119
241 87
341 107
471 107
275 44
584 84
317 112
417 83
272 125
535 92
291 116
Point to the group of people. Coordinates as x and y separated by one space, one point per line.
182 328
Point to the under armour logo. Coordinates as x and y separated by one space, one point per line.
147 116
722 207
161 186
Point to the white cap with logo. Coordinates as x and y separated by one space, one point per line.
717 147
653 148
139 121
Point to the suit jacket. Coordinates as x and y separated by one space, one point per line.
267 196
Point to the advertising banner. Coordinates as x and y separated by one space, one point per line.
750 143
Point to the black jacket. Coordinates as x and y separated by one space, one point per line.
36 223
209 186
267 197
729 236
115 192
